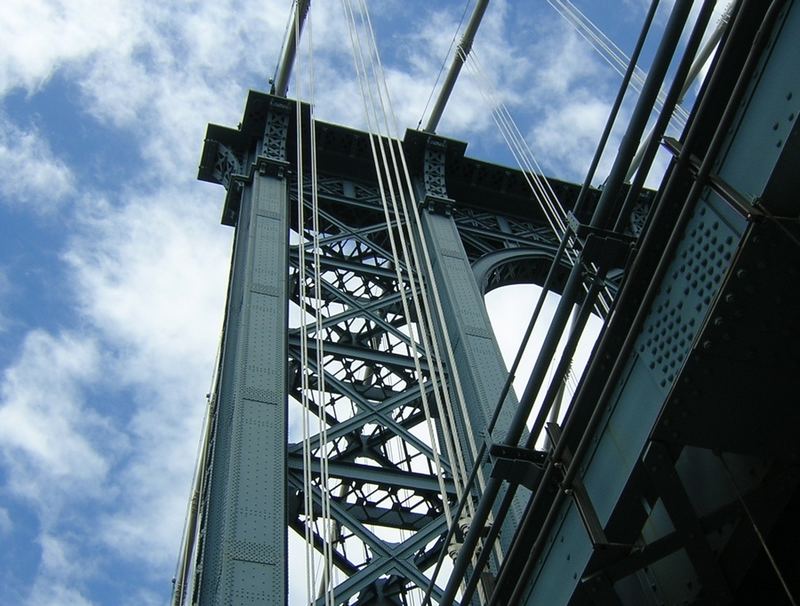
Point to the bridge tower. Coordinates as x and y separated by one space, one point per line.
665 479
384 478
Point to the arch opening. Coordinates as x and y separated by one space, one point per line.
509 308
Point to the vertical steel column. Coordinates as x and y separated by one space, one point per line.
243 557
477 355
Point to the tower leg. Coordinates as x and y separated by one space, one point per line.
477 355
245 524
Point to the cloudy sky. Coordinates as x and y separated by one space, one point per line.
113 264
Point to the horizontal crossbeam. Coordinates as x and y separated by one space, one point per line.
380 476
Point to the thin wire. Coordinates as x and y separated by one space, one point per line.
380 78
542 191
392 130
328 525
362 77
308 505
444 62
448 428
610 52
453 452
420 322
551 207
200 466
760 536
430 340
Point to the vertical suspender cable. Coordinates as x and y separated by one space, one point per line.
405 202
382 84
308 503
544 195
362 76
430 339
328 531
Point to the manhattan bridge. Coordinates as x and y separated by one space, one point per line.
362 409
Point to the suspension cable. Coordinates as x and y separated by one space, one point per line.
430 339
362 73
610 52
308 504
539 185
384 88
448 416
328 526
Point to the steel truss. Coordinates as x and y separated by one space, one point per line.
386 505
387 513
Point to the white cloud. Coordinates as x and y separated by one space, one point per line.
63 570
150 281
502 71
50 593
148 274
30 174
158 71
39 36
150 277
569 92
47 436
5 289
181 65
568 136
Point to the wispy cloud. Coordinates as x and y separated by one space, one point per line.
5 289
42 36
64 569
48 438
30 174
155 298
5 521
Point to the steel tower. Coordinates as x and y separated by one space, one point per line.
381 466
673 478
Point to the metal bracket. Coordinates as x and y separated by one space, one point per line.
517 465
608 249
272 160
597 534
229 164
746 208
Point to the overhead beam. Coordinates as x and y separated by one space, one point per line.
462 50
280 84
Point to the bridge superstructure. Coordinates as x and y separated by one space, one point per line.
673 477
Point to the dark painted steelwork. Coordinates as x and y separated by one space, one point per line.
572 288
641 113
662 121
665 255
612 116
674 475
462 51
280 85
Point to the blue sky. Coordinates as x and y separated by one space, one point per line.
113 264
